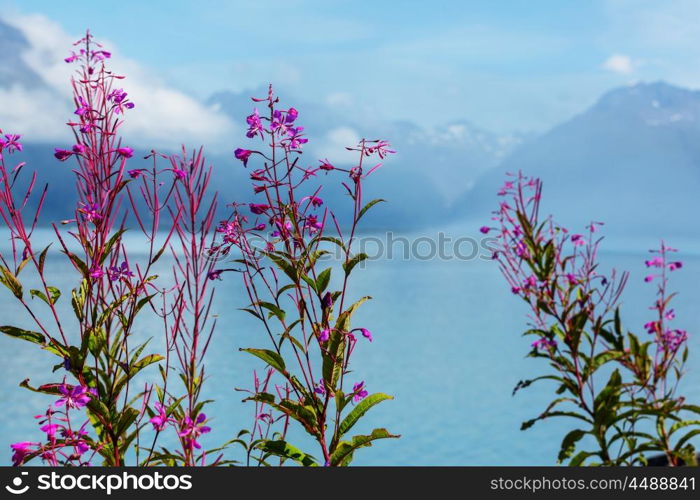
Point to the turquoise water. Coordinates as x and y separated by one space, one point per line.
447 345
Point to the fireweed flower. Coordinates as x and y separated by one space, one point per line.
160 420
255 125
11 143
96 273
654 262
118 97
506 189
544 344
365 333
179 174
215 274
258 175
101 55
359 392
243 155
20 451
327 301
326 165
62 154
313 224
125 151
135 173
320 388
315 200
324 335
292 114
117 273
90 212
577 239
673 339
296 140
484 229
75 397
50 430
651 326
258 208
281 121
74 56
83 107
381 148
191 430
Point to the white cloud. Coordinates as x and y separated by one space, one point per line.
339 99
163 118
619 63
333 145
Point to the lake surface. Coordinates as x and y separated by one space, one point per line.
447 346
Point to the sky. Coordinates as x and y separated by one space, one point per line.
506 66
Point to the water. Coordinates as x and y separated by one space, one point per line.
447 346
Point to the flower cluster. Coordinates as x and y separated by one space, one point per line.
64 444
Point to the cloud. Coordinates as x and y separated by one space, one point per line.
332 145
618 63
339 99
163 118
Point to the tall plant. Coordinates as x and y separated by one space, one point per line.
281 243
620 389
98 347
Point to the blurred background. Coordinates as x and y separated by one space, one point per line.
596 98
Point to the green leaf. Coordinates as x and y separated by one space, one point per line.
42 257
358 412
606 402
568 444
54 292
157 255
110 243
27 335
580 458
368 206
285 450
350 264
270 357
274 310
78 300
96 339
143 363
79 264
11 282
128 417
335 241
43 389
343 322
323 280
283 264
343 453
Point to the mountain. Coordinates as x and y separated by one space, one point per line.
13 69
631 160
433 166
